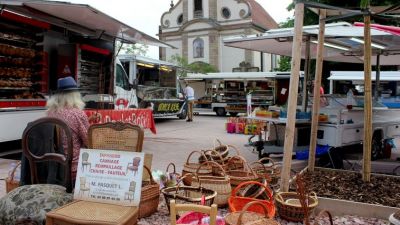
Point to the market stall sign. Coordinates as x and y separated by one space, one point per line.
167 107
109 176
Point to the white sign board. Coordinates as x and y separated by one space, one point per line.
109 176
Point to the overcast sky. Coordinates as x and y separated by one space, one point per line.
145 15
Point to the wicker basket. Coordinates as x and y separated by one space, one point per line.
191 168
272 170
289 207
150 196
186 194
320 214
245 217
10 182
237 202
238 176
220 184
172 176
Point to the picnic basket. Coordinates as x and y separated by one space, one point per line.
150 196
188 194
245 217
11 183
237 202
220 184
239 175
289 207
191 168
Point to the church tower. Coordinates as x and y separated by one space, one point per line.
197 28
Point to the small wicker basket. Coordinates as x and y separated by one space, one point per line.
289 207
238 176
150 196
245 217
11 183
191 168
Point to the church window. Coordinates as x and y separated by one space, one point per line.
180 19
198 48
198 8
226 13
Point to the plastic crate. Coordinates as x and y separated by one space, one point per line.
321 150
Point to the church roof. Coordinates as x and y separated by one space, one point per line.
260 17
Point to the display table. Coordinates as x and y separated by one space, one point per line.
140 117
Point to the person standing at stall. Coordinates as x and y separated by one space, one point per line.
67 104
189 94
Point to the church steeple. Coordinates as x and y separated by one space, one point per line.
172 3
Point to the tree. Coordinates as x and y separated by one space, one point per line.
283 63
195 67
136 49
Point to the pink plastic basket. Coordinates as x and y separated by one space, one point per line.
197 218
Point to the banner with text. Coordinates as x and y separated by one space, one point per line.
109 176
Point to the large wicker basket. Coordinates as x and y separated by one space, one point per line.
289 207
220 184
271 170
191 168
238 176
150 196
11 183
245 217
185 194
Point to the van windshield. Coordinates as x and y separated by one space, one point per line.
121 78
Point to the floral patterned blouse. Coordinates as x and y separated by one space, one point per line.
78 122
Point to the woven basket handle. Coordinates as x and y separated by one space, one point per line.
173 166
270 160
149 172
279 197
181 180
190 155
213 163
12 174
239 221
320 216
267 189
215 142
212 153
234 148
266 176
245 164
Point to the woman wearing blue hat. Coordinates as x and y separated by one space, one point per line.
66 104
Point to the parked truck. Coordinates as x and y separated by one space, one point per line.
41 41
156 85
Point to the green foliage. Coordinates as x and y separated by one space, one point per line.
136 49
284 64
195 67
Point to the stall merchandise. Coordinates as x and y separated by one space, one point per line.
247 217
150 196
192 168
240 175
289 207
240 125
11 182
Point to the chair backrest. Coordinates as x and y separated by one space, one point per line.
47 145
116 136
175 208
85 156
136 161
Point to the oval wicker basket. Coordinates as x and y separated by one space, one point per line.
10 182
245 217
220 184
191 168
238 176
289 207
150 196
271 170
188 194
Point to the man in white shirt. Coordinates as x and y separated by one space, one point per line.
189 94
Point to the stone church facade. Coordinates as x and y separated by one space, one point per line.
197 28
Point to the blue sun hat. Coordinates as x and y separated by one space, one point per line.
66 84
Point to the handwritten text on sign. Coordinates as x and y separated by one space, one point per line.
109 176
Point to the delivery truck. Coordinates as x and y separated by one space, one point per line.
41 41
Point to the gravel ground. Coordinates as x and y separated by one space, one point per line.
162 216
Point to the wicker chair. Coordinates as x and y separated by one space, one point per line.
210 210
47 158
110 136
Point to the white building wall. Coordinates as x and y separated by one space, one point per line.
172 17
230 58
171 51
234 7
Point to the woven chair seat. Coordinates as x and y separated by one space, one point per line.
84 212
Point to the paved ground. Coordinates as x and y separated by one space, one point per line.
176 139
